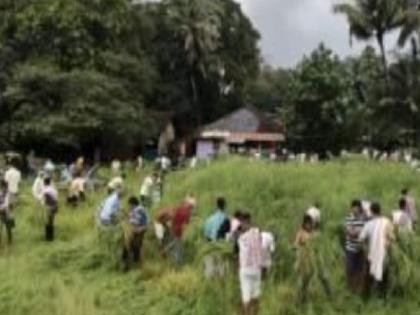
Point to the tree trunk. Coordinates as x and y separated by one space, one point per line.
195 100
380 39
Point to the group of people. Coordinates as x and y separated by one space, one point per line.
368 234
368 238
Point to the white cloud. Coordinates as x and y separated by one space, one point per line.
292 28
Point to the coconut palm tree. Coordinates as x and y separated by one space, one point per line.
197 24
374 19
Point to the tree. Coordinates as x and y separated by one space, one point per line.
376 18
324 104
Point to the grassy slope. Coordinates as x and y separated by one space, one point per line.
71 276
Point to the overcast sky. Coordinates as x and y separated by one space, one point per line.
292 28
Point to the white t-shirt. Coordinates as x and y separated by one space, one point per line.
268 247
116 182
37 188
315 214
250 252
146 187
77 186
401 220
13 178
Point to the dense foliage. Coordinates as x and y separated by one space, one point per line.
81 74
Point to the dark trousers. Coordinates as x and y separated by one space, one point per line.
132 250
49 224
8 223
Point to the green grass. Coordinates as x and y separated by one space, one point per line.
73 276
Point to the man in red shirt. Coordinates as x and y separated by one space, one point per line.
181 218
173 222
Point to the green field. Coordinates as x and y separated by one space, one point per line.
73 276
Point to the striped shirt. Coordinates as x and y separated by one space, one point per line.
353 227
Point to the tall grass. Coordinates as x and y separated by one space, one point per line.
72 275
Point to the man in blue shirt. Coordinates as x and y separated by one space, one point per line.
134 232
215 228
110 208
213 225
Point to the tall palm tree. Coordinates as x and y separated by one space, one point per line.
374 19
197 24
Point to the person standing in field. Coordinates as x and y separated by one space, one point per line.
400 219
410 205
38 187
213 225
355 256
146 189
13 178
37 191
250 265
215 229
308 260
50 199
5 212
378 234
268 247
134 232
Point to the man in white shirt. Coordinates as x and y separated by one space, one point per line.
250 265
378 233
147 188
400 219
13 178
268 246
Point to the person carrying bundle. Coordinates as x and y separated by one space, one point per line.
134 231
